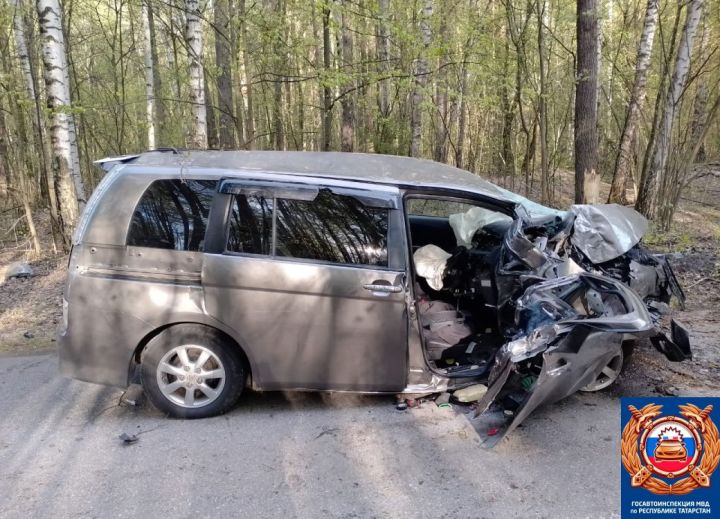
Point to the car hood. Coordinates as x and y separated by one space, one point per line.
604 232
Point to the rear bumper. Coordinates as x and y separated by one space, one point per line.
93 362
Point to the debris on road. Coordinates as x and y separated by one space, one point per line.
443 398
132 395
19 269
128 439
470 393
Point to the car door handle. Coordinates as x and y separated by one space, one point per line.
385 289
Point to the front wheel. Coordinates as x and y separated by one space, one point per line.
608 375
191 372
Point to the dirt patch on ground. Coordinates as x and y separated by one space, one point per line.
30 308
647 371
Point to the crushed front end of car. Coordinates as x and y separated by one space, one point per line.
605 240
572 291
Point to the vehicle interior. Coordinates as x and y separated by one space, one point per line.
456 247
457 308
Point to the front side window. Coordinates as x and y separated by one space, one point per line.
332 228
172 214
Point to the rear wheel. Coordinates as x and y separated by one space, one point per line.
191 372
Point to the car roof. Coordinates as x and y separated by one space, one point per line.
390 170
363 167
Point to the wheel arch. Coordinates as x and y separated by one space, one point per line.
224 334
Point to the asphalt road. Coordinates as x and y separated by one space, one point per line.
293 455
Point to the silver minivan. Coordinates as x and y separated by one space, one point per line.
202 273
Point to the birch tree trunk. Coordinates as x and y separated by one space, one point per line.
72 130
384 139
421 78
28 70
701 100
586 152
198 110
249 110
69 193
623 161
507 157
542 106
347 130
442 120
646 202
223 63
150 108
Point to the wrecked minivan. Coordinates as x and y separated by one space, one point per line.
202 273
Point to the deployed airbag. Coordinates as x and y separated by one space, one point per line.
466 224
430 263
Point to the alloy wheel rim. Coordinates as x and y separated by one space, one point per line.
607 375
191 376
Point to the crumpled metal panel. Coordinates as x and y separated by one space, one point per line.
605 231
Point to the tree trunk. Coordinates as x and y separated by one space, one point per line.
212 129
624 161
421 78
327 93
507 157
223 63
384 140
383 46
441 96
697 130
69 193
347 131
542 107
680 162
460 145
249 109
586 152
20 191
38 118
278 125
193 40
150 75
667 54
646 201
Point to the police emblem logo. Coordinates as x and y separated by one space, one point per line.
670 454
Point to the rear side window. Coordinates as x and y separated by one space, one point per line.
172 214
333 228
250 225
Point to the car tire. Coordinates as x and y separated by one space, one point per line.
609 374
190 371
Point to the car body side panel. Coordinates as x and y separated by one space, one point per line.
114 308
569 365
310 325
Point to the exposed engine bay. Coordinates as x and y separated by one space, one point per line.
537 309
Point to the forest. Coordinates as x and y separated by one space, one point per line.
530 94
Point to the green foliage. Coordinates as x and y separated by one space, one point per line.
483 59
